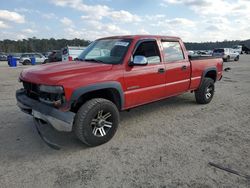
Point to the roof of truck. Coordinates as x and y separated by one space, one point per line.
143 37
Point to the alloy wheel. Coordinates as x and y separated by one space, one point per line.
102 123
209 91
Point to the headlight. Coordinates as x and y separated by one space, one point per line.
51 89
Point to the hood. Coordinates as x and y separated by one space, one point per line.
53 73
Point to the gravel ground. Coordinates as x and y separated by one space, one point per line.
163 144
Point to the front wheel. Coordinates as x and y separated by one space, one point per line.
205 93
227 59
96 122
237 58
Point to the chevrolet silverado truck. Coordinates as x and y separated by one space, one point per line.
114 74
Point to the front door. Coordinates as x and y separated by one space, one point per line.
145 83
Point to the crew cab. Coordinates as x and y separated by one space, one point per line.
114 74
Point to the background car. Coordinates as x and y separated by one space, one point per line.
69 53
226 54
25 58
55 56
46 54
17 56
3 57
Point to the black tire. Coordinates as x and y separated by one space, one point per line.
237 58
205 93
46 61
26 62
228 59
87 122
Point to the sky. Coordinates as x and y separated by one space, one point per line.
192 20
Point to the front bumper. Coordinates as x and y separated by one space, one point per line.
61 121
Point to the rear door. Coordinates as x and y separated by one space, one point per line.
178 69
38 58
145 83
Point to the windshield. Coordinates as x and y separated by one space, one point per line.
108 51
236 47
26 55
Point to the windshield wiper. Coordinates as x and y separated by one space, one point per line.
95 60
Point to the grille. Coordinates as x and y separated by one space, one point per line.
32 90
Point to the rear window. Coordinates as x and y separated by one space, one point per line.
218 50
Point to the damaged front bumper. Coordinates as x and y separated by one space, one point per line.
61 121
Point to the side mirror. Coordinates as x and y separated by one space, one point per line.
139 60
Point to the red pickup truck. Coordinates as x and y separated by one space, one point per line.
114 74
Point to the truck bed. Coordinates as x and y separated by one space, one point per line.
201 57
201 63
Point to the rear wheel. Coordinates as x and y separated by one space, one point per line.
205 93
96 122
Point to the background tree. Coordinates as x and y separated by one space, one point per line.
39 45
46 45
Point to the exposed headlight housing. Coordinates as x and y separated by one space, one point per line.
52 95
51 89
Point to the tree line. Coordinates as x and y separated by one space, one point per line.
39 45
46 45
213 45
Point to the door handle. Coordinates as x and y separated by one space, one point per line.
161 70
184 67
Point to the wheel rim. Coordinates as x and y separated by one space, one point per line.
209 92
102 123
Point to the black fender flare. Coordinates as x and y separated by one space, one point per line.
206 71
94 87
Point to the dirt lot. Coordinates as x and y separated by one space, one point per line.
164 144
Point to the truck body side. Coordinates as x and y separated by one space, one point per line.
85 96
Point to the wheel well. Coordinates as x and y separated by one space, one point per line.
109 94
211 74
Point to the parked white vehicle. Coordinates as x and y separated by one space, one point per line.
238 48
69 53
226 54
25 58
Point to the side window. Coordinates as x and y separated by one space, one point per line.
150 50
37 56
172 51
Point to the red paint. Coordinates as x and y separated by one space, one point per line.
140 84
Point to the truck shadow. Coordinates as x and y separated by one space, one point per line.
20 140
185 100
